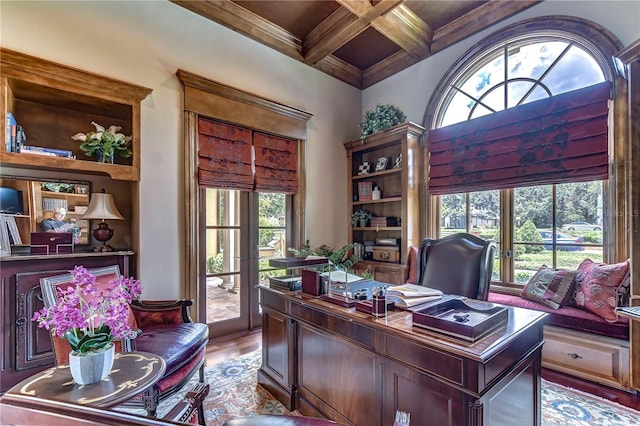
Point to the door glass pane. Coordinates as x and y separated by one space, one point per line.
223 255
272 236
453 214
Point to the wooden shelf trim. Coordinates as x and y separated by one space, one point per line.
380 173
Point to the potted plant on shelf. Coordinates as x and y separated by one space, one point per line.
382 118
104 144
90 320
360 218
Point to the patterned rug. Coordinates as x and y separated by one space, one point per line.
235 392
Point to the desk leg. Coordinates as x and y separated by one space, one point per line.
151 400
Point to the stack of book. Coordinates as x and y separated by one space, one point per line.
38 150
364 191
15 136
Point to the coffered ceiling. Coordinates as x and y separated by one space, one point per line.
360 42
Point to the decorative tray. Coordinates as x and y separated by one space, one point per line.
468 320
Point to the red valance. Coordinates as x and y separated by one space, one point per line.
231 157
276 164
555 140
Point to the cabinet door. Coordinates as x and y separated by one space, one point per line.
392 274
33 344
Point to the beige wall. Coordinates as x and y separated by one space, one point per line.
145 42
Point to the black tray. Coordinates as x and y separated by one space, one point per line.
297 262
482 318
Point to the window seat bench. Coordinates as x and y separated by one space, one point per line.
580 343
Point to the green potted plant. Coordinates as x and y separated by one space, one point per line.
339 258
104 144
360 218
381 118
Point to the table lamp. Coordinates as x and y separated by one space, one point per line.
102 207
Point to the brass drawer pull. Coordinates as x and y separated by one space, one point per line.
574 356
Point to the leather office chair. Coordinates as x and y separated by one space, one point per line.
165 329
457 264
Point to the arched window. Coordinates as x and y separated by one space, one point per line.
518 143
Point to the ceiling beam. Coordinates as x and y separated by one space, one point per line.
407 30
477 20
343 25
239 19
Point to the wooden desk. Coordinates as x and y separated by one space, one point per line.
334 362
132 374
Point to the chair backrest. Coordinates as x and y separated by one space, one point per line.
457 264
49 287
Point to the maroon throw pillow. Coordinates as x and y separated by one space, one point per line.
551 287
598 286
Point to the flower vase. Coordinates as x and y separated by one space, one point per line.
91 367
101 157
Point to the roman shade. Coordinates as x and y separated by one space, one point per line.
232 157
559 139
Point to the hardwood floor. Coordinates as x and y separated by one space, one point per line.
239 344
233 346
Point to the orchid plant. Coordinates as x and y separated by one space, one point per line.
88 320
104 142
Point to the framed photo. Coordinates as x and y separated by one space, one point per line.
364 168
381 164
398 162
5 245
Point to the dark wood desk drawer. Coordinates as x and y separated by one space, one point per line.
344 327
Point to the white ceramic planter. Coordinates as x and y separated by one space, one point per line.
91 367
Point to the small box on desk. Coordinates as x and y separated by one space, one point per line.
311 282
51 243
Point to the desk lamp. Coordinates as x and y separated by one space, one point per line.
102 207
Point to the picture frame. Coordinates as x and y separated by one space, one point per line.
5 245
381 164
398 162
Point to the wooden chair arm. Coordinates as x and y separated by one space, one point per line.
153 312
184 410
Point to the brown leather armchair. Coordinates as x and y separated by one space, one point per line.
165 329
457 264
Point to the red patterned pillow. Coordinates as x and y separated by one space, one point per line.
598 286
551 287
413 265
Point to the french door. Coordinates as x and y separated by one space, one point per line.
241 231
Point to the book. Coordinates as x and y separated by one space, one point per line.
11 121
21 138
49 151
410 295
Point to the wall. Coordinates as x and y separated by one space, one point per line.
145 42
622 18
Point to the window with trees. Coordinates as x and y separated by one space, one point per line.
553 220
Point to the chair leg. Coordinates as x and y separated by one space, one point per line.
151 400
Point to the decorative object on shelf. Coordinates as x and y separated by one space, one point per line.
102 207
382 118
381 164
376 194
360 218
364 168
398 162
90 316
104 144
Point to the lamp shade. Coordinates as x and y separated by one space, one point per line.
103 207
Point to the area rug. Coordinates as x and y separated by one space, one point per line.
235 393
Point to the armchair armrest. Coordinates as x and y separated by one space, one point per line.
184 410
160 312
